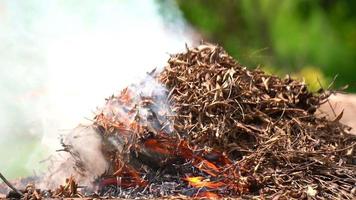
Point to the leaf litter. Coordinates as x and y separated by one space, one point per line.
216 129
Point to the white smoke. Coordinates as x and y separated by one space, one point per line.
60 59
85 145
144 103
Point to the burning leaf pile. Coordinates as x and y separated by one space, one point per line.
147 154
208 127
265 124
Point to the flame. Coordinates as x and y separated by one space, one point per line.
158 146
130 176
199 182
198 161
207 167
128 121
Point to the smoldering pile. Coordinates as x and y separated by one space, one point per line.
265 124
208 127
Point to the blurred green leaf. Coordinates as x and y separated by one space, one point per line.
287 35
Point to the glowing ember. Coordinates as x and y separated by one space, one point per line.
200 182
213 146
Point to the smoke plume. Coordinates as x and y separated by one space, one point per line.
60 59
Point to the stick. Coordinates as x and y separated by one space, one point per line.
10 186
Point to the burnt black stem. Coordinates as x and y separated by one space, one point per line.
10 185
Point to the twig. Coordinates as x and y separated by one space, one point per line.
10 185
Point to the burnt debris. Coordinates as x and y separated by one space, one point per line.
214 128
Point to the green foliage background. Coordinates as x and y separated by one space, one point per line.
314 39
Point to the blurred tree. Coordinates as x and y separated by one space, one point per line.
288 35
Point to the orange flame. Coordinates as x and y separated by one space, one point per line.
157 146
199 162
207 167
134 179
198 182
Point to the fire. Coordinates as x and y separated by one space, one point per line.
138 143
207 167
199 182
130 177
158 146
146 158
